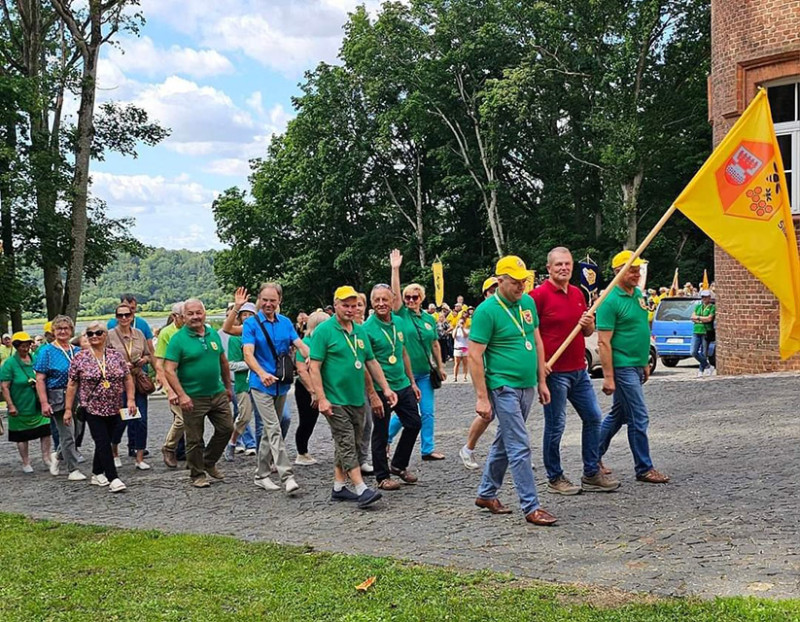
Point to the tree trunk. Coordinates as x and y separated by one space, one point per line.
7 225
494 222
80 180
419 230
630 203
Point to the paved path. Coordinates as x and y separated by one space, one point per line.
728 524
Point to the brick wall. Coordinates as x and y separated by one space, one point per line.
753 42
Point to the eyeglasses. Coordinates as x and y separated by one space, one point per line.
95 333
382 286
123 315
412 297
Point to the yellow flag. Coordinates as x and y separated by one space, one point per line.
438 282
705 284
673 289
739 198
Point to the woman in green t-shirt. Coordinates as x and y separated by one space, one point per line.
25 420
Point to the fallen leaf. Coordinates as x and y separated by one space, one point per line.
363 587
760 587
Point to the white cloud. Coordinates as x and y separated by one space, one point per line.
142 56
229 167
173 213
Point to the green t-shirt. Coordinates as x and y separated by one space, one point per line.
23 393
626 315
198 361
298 356
342 380
702 310
241 383
420 333
508 361
164 337
387 339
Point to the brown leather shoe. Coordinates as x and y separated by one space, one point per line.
388 484
407 476
653 477
542 517
215 472
493 505
169 458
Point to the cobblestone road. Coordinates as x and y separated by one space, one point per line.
728 524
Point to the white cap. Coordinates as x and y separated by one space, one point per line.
704 293
248 307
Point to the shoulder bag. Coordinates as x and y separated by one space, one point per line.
141 380
284 363
436 379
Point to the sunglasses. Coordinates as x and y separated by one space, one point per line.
95 333
124 314
412 297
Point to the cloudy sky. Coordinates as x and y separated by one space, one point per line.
220 74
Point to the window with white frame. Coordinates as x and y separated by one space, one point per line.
784 100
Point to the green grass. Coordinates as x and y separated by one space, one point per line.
70 572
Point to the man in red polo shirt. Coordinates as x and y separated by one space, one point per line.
560 307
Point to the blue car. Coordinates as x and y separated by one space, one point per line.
672 329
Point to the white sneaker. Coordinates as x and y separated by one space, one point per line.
250 452
142 466
118 462
99 480
367 468
240 449
700 374
117 485
466 457
54 464
266 483
292 485
27 468
305 459
710 371
76 476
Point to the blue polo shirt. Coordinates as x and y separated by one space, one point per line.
282 333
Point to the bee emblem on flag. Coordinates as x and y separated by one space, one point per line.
747 182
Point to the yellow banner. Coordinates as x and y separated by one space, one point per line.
438 282
705 284
739 198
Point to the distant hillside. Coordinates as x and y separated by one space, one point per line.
158 280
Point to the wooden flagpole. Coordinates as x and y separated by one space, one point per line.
645 243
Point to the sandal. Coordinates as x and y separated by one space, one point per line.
405 475
388 484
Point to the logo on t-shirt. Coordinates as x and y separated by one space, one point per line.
214 345
643 304
527 316
400 336
428 326
360 343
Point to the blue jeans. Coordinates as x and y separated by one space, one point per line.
426 408
511 447
576 387
137 428
700 350
629 408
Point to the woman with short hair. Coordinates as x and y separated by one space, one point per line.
131 343
304 394
25 419
99 376
52 369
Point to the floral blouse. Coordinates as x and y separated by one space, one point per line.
86 371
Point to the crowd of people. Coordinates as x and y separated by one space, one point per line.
370 365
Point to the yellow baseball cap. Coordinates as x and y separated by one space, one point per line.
621 258
48 327
514 267
345 292
20 337
490 282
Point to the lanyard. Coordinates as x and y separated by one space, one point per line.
101 365
351 344
393 339
64 352
513 319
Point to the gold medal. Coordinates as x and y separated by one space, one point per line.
392 359
106 384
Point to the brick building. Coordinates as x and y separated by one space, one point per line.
754 43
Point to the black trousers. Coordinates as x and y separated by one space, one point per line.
101 429
408 413
308 417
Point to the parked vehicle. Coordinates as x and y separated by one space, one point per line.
672 329
593 356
